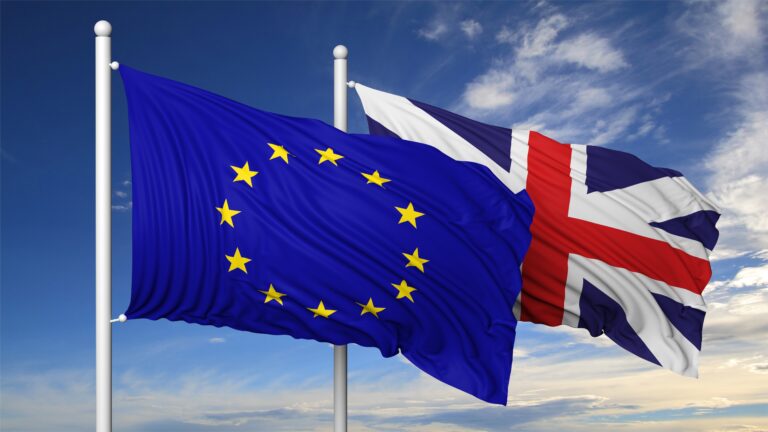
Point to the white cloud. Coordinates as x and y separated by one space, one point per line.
715 402
434 31
122 207
590 98
123 204
743 152
546 396
492 90
645 128
471 28
728 41
754 364
540 41
591 51
725 29
579 336
751 276
588 50
735 362
591 123
737 308
547 390
604 132
742 20
447 23
739 168
536 79
217 340
506 35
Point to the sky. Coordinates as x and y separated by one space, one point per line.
681 85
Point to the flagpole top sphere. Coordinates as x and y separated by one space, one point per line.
102 28
340 52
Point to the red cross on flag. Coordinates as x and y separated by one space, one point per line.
619 247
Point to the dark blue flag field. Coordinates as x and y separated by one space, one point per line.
288 226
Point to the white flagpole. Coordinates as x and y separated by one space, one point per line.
103 30
340 351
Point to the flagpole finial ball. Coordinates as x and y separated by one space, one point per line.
122 318
102 28
340 52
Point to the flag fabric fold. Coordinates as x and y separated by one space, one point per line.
619 247
288 226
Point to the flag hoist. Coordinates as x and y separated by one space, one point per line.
103 198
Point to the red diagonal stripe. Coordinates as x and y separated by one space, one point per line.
654 258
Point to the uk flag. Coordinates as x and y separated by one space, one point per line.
619 247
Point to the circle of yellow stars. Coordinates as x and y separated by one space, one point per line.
407 214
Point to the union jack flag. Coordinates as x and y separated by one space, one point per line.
619 247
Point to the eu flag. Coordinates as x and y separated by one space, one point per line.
288 226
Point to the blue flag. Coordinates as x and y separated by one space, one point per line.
288 226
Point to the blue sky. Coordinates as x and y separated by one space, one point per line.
680 84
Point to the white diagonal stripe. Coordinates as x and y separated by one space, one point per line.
632 208
633 292
410 122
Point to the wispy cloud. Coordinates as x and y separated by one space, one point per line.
122 207
123 193
563 85
561 379
728 41
735 324
450 23
471 28
592 52
434 30
557 386
540 40
725 253
725 30
739 168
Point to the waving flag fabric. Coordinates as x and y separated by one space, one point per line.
619 247
281 225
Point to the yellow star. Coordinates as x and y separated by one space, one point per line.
329 155
320 310
244 174
404 291
278 151
370 308
408 214
414 260
237 261
375 178
226 214
272 294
